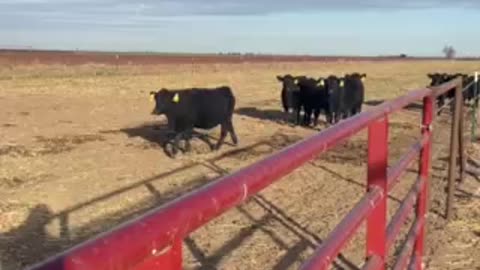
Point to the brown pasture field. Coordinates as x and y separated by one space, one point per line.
79 154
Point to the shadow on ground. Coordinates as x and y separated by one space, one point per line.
158 135
31 243
277 116
411 107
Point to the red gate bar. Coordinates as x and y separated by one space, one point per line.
330 248
373 263
406 252
403 211
398 169
155 237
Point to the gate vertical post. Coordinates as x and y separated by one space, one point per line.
377 178
461 139
424 171
454 141
475 109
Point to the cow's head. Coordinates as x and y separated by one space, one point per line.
289 83
333 84
356 75
163 100
436 78
321 82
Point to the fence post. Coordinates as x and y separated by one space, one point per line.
475 109
461 140
454 141
377 178
424 172
169 258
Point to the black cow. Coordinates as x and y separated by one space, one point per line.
436 80
313 98
290 96
469 93
335 92
354 94
196 108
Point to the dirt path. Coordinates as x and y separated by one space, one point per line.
80 153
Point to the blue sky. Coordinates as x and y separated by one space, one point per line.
345 27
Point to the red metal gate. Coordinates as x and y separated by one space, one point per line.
154 241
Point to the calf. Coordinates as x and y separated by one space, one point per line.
469 93
290 96
354 94
196 108
335 92
436 80
312 98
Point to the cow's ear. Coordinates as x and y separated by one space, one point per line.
364 75
280 78
176 98
152 95
430 75
320 82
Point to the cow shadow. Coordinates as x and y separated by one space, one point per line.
410 107
374 102
272 115
30 243
159 135
307 240
276 116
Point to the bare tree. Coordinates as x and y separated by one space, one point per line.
449 52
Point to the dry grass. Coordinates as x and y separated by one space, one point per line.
81 141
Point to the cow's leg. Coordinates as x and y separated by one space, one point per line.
223 134
167 141
176 143
297 111
328 116
337 117
206 139
231 130
307 117
187 138
286 117
316 114
287 114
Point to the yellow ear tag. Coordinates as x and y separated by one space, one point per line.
363 79
341 83
176 98
322 83
152 97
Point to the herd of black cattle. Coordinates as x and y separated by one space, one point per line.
337 97
467 81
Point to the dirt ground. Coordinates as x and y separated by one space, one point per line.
79 154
